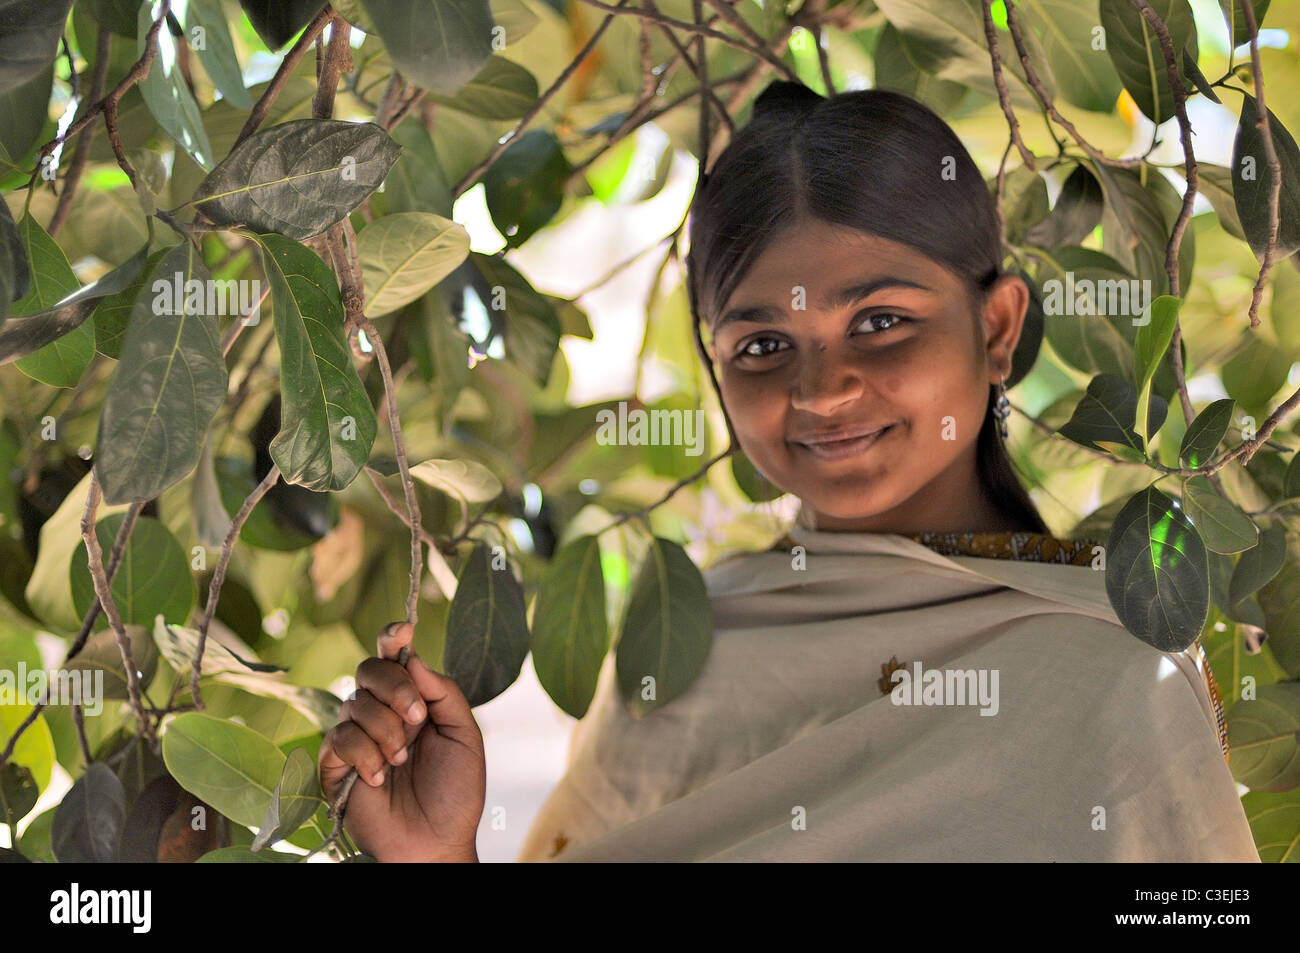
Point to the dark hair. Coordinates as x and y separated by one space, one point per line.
869 160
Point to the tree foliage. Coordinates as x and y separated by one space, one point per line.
204 506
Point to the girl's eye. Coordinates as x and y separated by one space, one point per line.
749 350
870 322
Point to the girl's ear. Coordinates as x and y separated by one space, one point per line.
1005 305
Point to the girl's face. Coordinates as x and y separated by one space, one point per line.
857 378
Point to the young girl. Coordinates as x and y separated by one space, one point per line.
918 671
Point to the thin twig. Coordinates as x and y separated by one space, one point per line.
1004 97
100 580
81 155
291 59
1274 164
219 577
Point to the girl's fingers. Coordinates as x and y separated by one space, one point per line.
346 746
447 705
378 721
394 637
392 685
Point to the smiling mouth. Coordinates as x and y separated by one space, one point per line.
840 449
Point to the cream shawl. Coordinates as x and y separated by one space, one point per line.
786 748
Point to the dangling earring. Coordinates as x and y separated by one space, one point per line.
1002 408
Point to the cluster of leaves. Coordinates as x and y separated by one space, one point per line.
205 427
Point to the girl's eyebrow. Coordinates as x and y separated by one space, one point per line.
766 314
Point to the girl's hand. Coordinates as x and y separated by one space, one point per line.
419 755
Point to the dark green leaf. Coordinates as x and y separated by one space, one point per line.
22 336
895 71
1274 821
278 21
1238 34
23 115
1149 350
218 51
293 801
751 482
242 855
1252 181
1258 564
166 92
1077 283
1157 576
113 313
1215 183
167 387
154 576
223 764
1223 527
1108 412
1085 76
1265 733
436 44
61 362
101 654
1076 213
570 631
667 629
1205 432
524 187
15 270
297 178
88 822
501 89
1135 50
328 424
487 629
29 38
417 182
532 327
1133 226
18 795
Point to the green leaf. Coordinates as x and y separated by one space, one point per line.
1279 601
1215 183
20 336
896 71
113 313
1252 181
1085 77
29 38
1077 281
1274 822
35 749
242 855
667 629
166 389
1135 51
178 644
1223 527
751 482
405 254
1077 212
532 326
464 480
1205 432
18 795
1108 411
1255 373
946 39
278 21
1133 226
1157 575
1265 736
524 187
297 178
15 270
166 92
223 764
1258 564
23 115
218 51
101 654
61 362
328 424
501 89
436 44
487 629
1123 451
1149 349
315 704
154 576
89 819
1237 32
417 182
570 632
293 801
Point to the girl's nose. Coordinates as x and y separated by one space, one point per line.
825 383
